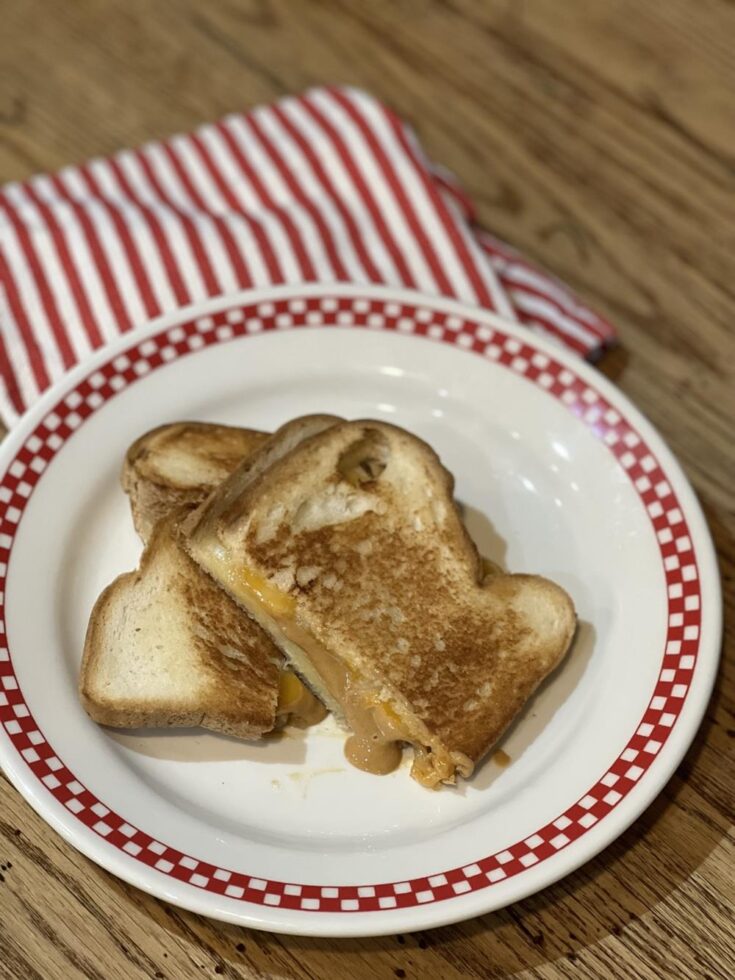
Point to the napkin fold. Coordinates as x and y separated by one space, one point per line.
328 186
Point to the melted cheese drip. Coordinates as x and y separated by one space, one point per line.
251 584
248 586
374 744
296 700
371 746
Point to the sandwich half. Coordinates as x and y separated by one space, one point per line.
166 647
178 465
343 541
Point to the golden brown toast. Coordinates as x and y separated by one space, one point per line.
343 540
166 647
179 465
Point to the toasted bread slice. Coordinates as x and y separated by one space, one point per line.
166 647
347 546
179 465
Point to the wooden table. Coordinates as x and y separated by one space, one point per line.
599 138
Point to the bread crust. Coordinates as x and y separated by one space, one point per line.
177 465
225 666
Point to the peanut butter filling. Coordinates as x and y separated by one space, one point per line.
372 747
377 729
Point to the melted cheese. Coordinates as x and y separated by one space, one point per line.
290 690
378 730
277 603
367 747
297 702
248 586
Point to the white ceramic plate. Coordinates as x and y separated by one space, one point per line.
559 475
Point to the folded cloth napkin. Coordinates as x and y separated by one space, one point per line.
327 186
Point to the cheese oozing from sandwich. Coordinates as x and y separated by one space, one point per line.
296 702
379 725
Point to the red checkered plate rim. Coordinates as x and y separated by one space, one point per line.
636 775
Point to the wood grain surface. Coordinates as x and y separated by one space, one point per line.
599 137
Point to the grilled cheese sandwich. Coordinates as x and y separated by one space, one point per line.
343 542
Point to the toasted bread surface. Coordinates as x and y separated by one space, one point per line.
165 646
254 469
356 524
179 464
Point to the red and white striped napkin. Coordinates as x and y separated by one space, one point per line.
327 186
